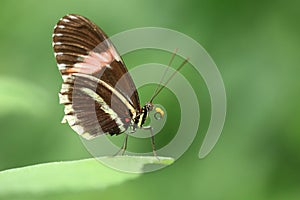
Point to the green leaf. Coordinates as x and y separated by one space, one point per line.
69 176
136 164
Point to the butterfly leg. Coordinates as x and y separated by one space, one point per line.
124 146
152 139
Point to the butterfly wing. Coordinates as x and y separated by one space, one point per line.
98 93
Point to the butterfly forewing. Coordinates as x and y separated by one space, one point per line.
98 93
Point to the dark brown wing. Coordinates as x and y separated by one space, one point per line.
98 93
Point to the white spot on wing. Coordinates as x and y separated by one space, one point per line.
65 88
57 43
65 20
58 53
62 66
67 78
57 34
78 129
63 99
68 109
70 119
72 17
61 26
87 136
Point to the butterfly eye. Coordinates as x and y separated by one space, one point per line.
159 113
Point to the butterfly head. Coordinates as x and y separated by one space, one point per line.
149 106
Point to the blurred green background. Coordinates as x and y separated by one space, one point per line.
255 44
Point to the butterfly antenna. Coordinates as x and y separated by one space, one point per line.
164 74
174 73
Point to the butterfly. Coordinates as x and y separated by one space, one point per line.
98 93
